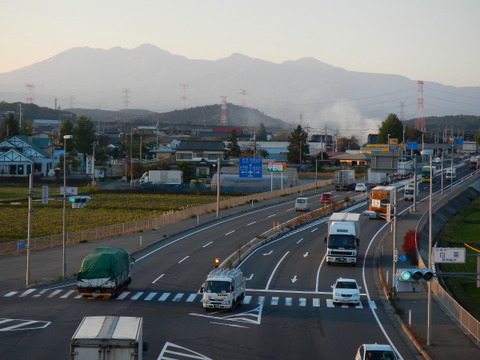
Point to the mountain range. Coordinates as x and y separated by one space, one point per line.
305 91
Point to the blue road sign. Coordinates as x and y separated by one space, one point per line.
412 145
250 168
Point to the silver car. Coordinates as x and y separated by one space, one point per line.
376 352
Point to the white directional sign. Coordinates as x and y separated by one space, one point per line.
449 255
68 190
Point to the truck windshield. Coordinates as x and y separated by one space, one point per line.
341 242
217 287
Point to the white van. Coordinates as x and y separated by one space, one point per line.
451 174
302 204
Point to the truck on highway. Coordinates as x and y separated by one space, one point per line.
105 272
166 177
409 191
344 179
343 238
223 289
381 202
375 178
108 338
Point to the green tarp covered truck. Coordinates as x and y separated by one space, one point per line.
104 272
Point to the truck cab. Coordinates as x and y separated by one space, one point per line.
223 289
343 238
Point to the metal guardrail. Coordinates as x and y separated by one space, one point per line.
464 318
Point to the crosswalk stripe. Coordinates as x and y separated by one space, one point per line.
316 302
11 293
27 292
177 297
123 295
137 295
191 297
247 299
150 296
302 302
261 300
67 294
54 293
372 304
288 301
274 300
164 297
40 293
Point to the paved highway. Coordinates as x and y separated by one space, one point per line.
287 313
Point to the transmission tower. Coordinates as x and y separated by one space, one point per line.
184 95
243 92
224 111
126 98
420 121
29 98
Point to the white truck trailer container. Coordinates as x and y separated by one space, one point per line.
108 338
344 179
167 177
343 239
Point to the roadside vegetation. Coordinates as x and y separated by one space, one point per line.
460 230
105 208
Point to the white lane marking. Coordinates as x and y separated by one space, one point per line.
230 233
305 255
247 299
191 297
288 301
316 302
137 295
299 241
270 216
269 253
67 294
207 244
54 293
123 295
178 297
27 292
185 258
232 325
302 302
372 304
164 297
150 296
250 278
274 270
314 230
253 222
158 278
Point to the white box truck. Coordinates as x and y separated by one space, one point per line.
223 289
343 238
344 179
108 338
167 177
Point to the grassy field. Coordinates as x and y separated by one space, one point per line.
105 208
464 229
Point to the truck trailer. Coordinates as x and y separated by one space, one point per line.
343 239
223 289
381 202
108 338
344 179
165 177
105 272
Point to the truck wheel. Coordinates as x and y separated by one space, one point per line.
233 306
328 263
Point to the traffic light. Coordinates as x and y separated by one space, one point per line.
217 262
79 202
415 275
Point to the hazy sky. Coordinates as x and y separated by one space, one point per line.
430 40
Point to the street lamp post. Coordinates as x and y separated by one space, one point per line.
429 298
64 237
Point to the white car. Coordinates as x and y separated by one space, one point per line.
376 352
361 187
346 291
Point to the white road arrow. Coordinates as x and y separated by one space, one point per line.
294 279
305 255
266 254
250 278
